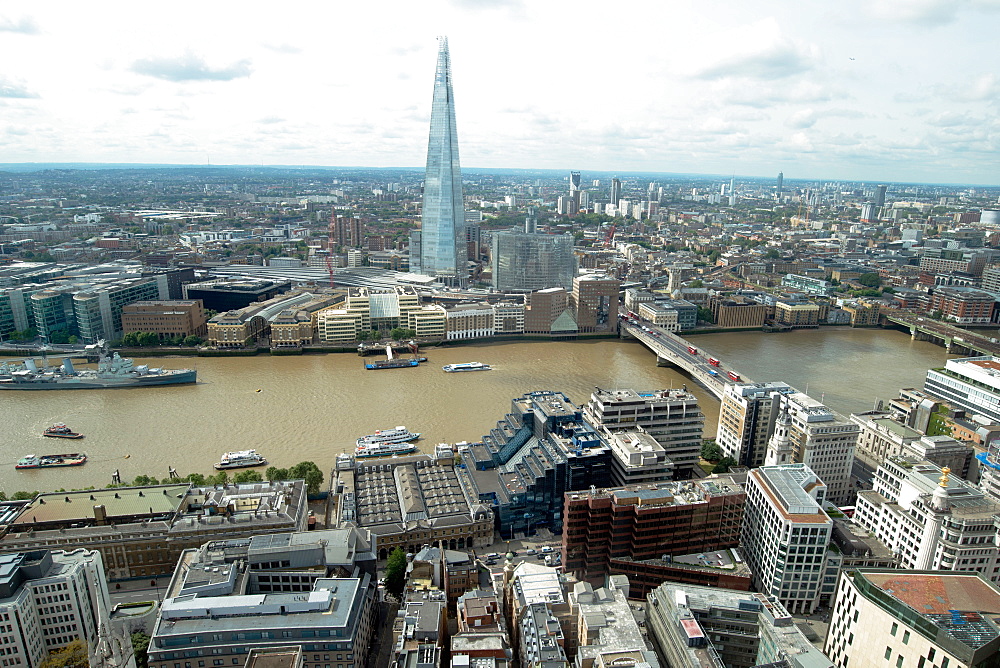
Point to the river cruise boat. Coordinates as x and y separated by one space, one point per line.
46 461
466 366
59 430
241 459
383 449
398 435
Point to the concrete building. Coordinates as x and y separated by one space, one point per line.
167 319
709 627
548 312
313 589
971 383
672 417
92 309
797 314
470 321
227 294
141 531
607 632
737 313
913 618
786 534
595 303
51 598
882 436
412 501
606 531
508 318
930 519
452 571
746 420
538 614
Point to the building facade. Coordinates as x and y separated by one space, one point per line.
595 303
167 319
528 262
972 383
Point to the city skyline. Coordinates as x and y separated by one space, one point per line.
862 93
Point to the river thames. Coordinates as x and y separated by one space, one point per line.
312 407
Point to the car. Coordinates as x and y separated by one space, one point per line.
539 556
530 551
547 548
492 555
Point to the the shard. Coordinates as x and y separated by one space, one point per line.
442 228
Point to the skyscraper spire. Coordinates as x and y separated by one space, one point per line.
442 227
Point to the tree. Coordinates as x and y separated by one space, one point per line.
196 478
274 473
696 283
309 472
396 334
395 572
714 256
192 340
724 465
73 655
248 476
705 315
143 480
23 496
140 645
710 451
772 254
870 279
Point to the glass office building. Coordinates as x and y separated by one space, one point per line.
529 262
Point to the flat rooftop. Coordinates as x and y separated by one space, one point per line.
78 507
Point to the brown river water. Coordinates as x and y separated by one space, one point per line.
312 407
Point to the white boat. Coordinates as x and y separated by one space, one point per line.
383 449
398 435
240 459
466 366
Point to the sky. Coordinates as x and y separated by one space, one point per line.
873 90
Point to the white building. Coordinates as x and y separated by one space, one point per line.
49 599
786 534
508 318
470 321
913 618
931 520
972 383
746 420
824 441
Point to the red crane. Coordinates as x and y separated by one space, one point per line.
609 238
329 245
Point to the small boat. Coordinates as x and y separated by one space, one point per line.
466 366
398 435
383 449
240 459
59 430
46 461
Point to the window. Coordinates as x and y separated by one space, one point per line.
888 653
895 627
906 637
899 661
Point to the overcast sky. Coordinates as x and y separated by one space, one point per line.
881 90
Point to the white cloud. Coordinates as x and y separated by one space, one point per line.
190 67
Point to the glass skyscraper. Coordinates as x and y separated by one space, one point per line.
442 228
528 262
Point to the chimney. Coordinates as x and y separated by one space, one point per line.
100 515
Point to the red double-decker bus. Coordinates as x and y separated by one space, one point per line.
713 361
692 350
734 376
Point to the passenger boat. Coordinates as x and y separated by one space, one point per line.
466 366
398 435
46 461
59 430
240 459
382 449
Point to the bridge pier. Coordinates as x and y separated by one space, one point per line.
663 361
913 333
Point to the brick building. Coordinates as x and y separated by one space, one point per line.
166 318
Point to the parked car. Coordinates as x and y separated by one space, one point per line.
530 551
547 549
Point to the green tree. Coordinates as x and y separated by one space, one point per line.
274 473
73 340
309 472
870 279
248 476
148 339
143 480
705 315
140 645
192 340
714 256
395 572
23 496
724 465
772 254
696 283
195 478
3 495
396 334
59 336
73 655
710 451
364 335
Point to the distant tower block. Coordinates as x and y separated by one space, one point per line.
880 195
781 182
616 191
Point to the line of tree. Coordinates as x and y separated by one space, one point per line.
150 339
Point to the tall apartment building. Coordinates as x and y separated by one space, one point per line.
313 589
595 303
49 599
786 534
746 420
166 318
914 618
608 531
972 383
672 417
930 519
348 231
710 627
528 262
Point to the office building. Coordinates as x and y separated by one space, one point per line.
574 182
613 531
548 312
710 627
141 531
746 420
366 309
442 220
166 319
595 303
781 182
964 305
227 294
931 519
881 436
786 534
672 418
616 191
469 321
914 618
528 262
607 632
312 589
880 195
737 313
49 599
970 383
412 501
508 318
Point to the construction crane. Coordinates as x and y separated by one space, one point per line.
329 246
609 238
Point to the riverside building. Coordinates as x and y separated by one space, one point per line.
527 262
914 618
627 418
313 589
972 383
